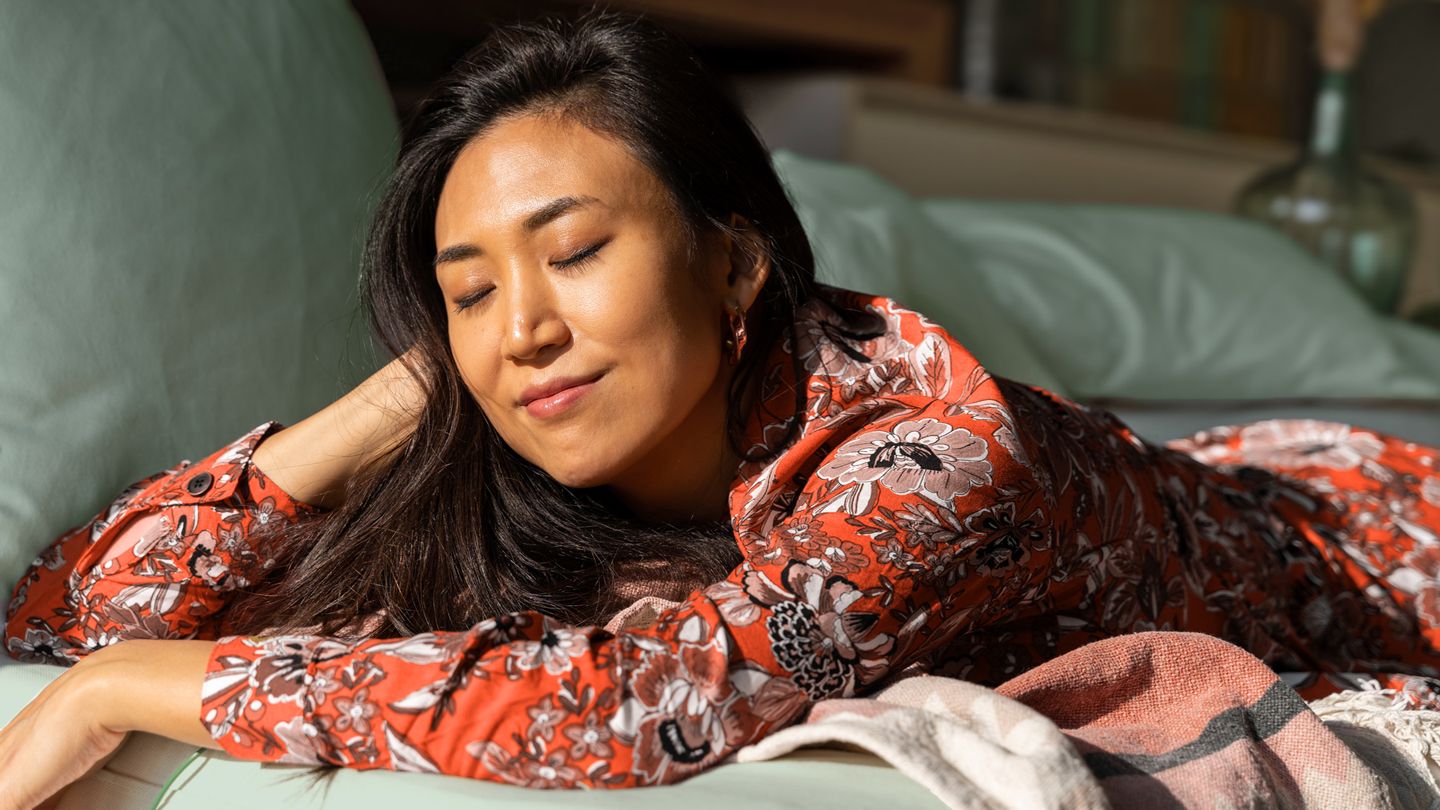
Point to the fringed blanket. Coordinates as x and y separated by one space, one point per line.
1153 719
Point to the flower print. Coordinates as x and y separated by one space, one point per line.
52 558
1156 591
828 648
1002 541
673 716
543 717
553 650
837 556
17 599
928 528
942 569
1430 490
1427 604
232 539
301 741
354 712
891 552
999 555
322 684
822 549
800 645
735 605
145 611
264 513
937 460
211 568
802 532
589 737
551 771
358 748
888 377
1416 693
38 647
529 769
1307 443
280 671
931 366
760 548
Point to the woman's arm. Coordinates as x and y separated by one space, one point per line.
926 552
160 561
526 700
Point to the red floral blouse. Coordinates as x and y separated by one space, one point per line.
928 516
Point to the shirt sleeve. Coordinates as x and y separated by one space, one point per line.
905 535
157 562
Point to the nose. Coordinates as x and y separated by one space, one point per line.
532 323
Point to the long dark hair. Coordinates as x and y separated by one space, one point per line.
452 526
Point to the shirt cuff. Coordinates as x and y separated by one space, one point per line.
258 486
250 679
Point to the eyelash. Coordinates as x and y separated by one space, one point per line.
568 265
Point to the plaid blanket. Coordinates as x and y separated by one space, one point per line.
1154 719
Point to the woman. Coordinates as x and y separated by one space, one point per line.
637 490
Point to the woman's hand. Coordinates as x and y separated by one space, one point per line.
54 741
82 718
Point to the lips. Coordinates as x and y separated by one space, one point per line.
550 388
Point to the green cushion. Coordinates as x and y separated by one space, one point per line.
186 189
870 236
1163 303
1112 301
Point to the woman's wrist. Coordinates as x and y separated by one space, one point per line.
149 685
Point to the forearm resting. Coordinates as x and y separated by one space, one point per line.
151 685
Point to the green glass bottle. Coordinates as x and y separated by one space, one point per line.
1354 220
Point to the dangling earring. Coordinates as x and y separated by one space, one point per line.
735 340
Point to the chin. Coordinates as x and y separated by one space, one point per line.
579 477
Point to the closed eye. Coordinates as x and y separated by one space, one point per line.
581 257
572 262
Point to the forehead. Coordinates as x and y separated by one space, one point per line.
523 163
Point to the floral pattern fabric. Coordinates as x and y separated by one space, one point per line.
927 517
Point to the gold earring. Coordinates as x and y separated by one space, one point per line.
735 339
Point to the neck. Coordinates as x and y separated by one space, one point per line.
687 477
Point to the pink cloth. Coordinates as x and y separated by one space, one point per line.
1150 719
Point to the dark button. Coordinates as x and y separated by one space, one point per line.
200 484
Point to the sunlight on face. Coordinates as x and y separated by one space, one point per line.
594 284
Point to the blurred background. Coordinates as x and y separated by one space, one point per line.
1168 102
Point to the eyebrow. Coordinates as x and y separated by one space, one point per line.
537 219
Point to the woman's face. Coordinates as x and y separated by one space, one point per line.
559 257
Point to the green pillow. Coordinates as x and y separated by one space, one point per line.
1114 301
870 236
186 192
1160 303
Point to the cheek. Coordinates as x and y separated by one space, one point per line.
474 359
684 368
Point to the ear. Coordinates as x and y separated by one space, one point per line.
749 262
